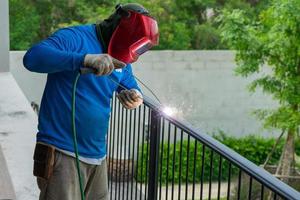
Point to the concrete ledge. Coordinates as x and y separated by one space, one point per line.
18 125
6 187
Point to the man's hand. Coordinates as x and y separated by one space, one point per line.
130 99
103 64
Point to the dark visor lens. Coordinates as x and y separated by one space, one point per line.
144 48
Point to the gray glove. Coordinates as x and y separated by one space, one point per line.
103 64
130 99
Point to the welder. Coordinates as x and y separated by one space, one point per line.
106 48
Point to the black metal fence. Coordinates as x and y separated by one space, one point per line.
154 156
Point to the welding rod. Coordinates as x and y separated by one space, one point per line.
86 70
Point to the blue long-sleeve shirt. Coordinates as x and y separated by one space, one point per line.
61 56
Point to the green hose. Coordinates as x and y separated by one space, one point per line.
75 136
74 126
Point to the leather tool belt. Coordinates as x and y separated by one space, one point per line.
44 156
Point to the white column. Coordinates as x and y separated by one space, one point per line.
4 36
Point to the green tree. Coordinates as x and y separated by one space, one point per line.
273 39
23 30
183 24
206 36
34 20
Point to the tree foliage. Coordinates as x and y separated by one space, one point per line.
23 30
185 24
272 38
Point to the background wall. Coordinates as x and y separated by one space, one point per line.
31 83
4 39
200 84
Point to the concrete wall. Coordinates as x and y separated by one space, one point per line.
201 84
4 36
32 84
18 126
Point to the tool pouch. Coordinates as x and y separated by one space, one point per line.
43 157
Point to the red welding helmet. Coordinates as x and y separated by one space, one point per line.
136 33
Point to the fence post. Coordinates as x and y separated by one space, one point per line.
154 154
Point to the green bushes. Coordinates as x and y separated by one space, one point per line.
187 159
253 148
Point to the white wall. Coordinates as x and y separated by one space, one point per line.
201 84
32 84
4 36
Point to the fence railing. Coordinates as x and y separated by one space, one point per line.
154 156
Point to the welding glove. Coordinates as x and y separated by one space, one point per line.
130 99
103 64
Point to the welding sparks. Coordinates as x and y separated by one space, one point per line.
169 111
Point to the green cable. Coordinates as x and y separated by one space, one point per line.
74 127
75 135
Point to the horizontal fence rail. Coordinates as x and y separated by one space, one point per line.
155 156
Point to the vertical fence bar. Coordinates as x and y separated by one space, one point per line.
133 153
210 174
187 168
180 164
113 147
161 156
118 145
109 135
194 173
220 177
173 166
168 160
202 171
138 152
262 192
124 154
229 181
154 155
250 188
129 157
121 152
275 196
147 153
143 142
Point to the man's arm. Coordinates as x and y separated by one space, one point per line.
55 54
